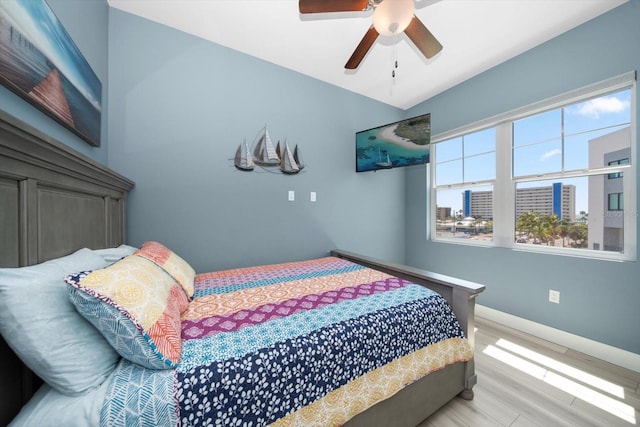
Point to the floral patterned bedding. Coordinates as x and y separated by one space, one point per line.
306 343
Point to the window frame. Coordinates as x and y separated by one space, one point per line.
616 175
504 184
619 202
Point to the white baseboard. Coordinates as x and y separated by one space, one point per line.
611 354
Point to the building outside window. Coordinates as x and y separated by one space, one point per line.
466 166
547 177
617 162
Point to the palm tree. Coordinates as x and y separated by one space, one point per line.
477 222
528 223
579 234
550 228
563 230
584 217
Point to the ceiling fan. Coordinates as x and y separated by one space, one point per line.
390 17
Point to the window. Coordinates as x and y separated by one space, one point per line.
615 202
617 162
465 174
548 177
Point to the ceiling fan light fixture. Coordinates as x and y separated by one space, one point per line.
393 16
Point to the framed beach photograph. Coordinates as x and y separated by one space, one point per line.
403 143
40 63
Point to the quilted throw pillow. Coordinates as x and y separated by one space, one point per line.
136 306
178 268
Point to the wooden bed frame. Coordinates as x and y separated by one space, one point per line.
55 201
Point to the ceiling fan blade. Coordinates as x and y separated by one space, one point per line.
321 6
362 49
422 38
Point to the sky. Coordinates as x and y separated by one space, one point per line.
550 142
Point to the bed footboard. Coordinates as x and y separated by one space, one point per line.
461 295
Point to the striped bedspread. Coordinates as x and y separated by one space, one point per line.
304 343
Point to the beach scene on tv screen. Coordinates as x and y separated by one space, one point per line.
398 144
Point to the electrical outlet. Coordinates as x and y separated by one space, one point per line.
554 296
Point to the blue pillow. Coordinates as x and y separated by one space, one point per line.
45 330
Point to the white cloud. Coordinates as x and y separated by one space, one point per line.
549 154
594 107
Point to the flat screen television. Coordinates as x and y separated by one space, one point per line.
403 143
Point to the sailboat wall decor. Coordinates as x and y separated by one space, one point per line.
297 156
244 159
288 163
280 158
264 153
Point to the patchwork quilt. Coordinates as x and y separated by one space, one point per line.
306 343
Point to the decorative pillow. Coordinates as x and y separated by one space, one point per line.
44 329
136 305
178 268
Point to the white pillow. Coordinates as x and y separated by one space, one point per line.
112 255
50 408
45 330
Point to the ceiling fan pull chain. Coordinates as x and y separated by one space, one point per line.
395 56
394 62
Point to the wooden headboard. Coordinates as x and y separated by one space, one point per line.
53 201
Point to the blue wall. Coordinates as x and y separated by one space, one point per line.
87 22
599 298
179 108
175 107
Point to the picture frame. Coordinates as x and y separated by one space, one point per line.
40 63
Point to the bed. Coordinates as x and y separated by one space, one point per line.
202 358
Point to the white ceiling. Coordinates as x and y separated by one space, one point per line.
476 35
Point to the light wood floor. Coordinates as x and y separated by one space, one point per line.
551 386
